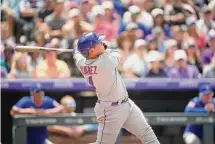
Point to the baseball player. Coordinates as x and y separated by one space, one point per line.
204 103
114 110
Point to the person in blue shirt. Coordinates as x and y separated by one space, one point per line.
204 103
36 104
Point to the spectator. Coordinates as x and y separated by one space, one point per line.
178 35
208 53
193 53
204 103
100 25
8 11
74 26
158 16
85 8
132 29
209 70
135 65
205 23
51 67
125 42
152 42
182 69
211 6
174 12
46 10
72 131
36 104
55 21
28 9
20 67
199 37
156 70
145 17
41 28
34 59
135 12
159 34
111 19
171 47
24 22
8 53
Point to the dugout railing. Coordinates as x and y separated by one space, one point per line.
21 122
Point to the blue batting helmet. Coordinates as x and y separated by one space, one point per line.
87 41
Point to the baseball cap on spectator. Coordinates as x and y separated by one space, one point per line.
189 43
205 89
36 87
157 11
107 5
140 42
180 54
153 56
170 43
190 21
211 34
97 10
131 26
134 9
74 12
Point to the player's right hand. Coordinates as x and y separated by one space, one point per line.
30 111
209 107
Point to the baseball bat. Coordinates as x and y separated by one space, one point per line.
36 49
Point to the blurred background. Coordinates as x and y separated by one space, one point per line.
157 39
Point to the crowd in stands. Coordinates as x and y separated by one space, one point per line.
156 38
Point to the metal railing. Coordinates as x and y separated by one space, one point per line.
21 122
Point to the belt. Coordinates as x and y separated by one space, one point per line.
116 103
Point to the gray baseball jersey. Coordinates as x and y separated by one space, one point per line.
103 75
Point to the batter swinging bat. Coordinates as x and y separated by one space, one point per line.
37 49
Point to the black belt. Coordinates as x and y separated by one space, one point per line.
116 103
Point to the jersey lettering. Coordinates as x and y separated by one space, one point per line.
88 70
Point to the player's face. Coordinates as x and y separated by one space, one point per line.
207 98
38 96
97 50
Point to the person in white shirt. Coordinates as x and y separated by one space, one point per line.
135 65
206 22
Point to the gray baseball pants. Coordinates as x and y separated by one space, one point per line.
126 115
